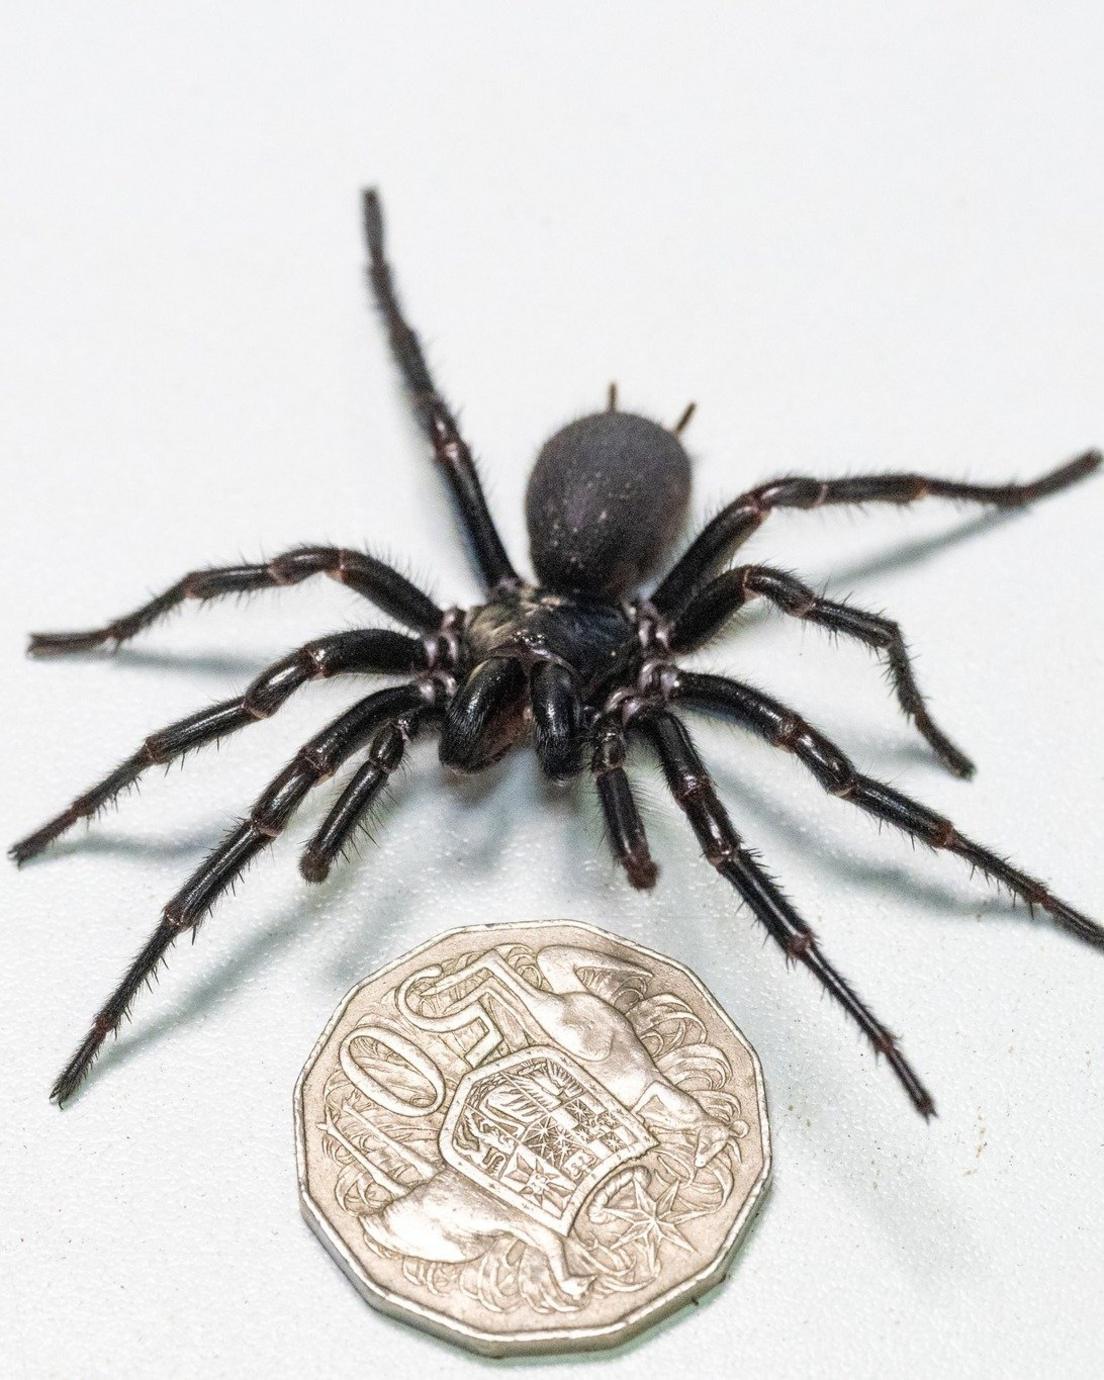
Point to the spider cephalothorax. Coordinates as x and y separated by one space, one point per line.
580 662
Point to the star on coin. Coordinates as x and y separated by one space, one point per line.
649 1221
537 1179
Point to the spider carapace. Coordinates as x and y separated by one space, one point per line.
582 661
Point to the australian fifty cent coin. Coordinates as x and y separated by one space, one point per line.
533 1137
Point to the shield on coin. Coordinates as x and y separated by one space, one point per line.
538 1132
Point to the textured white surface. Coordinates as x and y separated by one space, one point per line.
861 236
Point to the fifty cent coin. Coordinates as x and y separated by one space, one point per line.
533 1137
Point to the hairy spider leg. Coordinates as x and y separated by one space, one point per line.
269 816
385 587
364 651
835 772
383 758
624 827
436 420
696 795
717 601
734 524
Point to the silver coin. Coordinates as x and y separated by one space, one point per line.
533 1137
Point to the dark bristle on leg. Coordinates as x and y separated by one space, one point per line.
364 651
732 526
624 826
266 821
836 773
696 795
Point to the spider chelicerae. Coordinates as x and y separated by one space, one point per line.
579 662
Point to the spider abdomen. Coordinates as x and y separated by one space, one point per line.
606 497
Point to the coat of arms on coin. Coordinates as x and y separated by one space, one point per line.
531 1137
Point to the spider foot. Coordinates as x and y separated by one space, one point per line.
641 870
30 847
75 1072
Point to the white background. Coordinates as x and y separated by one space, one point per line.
861 236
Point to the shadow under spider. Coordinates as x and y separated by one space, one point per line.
309 907
751 803
916 552
129 846
208 992
388 905
206 663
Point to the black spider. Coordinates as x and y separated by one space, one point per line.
574 661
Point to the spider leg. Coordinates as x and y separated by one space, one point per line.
384 757
385 587
436 420
835 772
712 605
624 827
735 523
367 650
269 816
696 795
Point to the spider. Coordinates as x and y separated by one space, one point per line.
577 662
